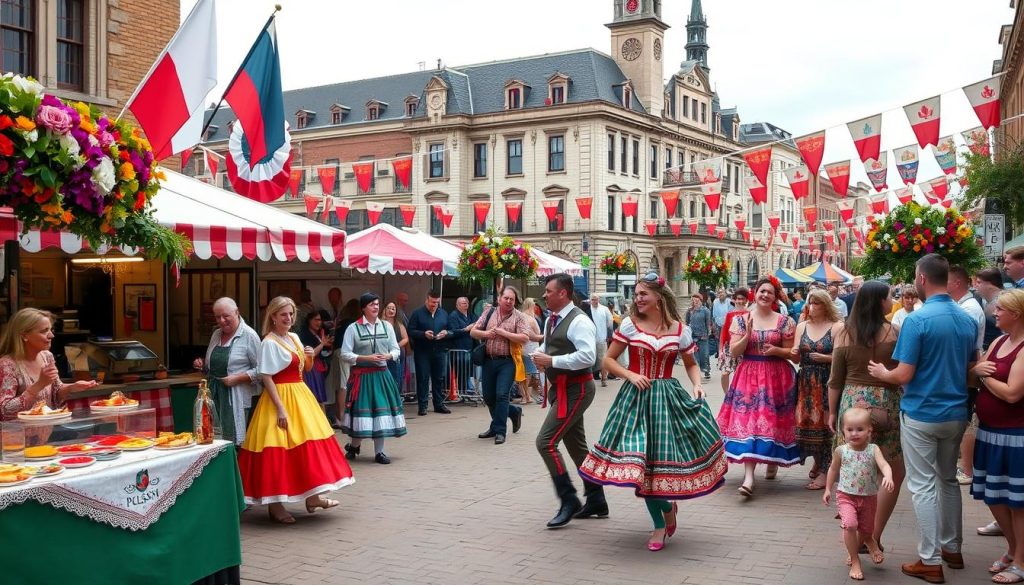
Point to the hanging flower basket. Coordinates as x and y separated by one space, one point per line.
492 255
65 166
900 238
618 263
708 271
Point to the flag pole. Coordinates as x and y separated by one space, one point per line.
220 102
158 59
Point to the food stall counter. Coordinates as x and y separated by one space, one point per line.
172 398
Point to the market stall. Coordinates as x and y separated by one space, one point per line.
791 277
826 272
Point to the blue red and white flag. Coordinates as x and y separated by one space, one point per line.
924 120
907 163
878 171
945 154
259 161
169 103
867 136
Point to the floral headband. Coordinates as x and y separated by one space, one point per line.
652 277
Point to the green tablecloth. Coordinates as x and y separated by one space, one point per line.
196 537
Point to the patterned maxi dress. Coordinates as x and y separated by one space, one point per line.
812 432
660 441
758 415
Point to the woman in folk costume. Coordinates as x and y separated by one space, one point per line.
374 407
289 453
657 439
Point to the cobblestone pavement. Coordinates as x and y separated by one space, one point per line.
455 509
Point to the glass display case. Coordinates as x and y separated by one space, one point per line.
40 440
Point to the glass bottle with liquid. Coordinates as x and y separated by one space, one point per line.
205 425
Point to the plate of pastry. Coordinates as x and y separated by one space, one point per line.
135 444
170 441
117 402
42 412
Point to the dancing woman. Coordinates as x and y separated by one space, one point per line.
657 439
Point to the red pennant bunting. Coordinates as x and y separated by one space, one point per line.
828 225
328 205
373 210
758 192
438 211
312 201
402 168
867 136
830 238
774 219
785 236
756 243
984 98
839 175
676 225
746 235
759 160
408 214
651 225
584 204
905 195
721 232
692 225
341 207
880 203
947 203
796 241
551 208
811 215
364 175
712 195
185 155
211 162
328 175
446 216
629 205
799 180
924 120
812 149
671 200
481 209
740 223
845 210
294 179
940 187
976 139
878 171
512 210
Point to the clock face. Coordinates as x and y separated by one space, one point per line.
631 49
632 6
657 49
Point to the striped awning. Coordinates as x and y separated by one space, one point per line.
220 224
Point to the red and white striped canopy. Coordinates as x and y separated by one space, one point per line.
220 224
385 249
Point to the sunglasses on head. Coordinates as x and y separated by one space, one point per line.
653 278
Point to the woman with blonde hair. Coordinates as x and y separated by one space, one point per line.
812 349
289 453
28 373
532 377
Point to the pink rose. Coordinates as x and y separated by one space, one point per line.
55 119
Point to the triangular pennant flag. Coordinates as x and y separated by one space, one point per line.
796 241
676 225
929 192
584 205
709 170
651 225
880 203
408 214
721 231
185 156
759 160
756 243
211 162
480 210
328 176
984 98
878 171
312 202
812 150
746 235
447 214
906 163
712 195
373 209
799 177
924 120
551 208
784 236
328 206
629 204
839 175
947 203
294 178
828 224
692 225
513 210
740 223
670 199
341 207
811 215
438 211
867 136
774 219
977 141
364 175
758 192
403 170
945 154
940 186
905 195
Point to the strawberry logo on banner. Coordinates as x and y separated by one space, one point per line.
811 215
799 177
977 140
341 208
877 171
408 214
880 203
670 199
551 208
294 179
905 195
327 177
906 163
629 205
692 225
651 225
364 175
984 98
584 204
513 209
758 192
211 162
867 136
446 216
924 120
945 154
480 210
373 210
774 219
403 170
712 195
676 225
759 161
839 175
812 150
312 202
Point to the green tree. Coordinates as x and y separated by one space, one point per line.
1000 181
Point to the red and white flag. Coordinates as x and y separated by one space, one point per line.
839 175
651 225
759 160
984 98
373 210
583 204
692 225
758 192
906 163
774 219
629 204
447 213
712 195
408 214
171 100
551 208
676 225
939 186
211 162
671 200
929 192
799 177
905 195
740 223
812 149
867 136
709 171
341 208
845 210
513 209
811 215
976 139
880 203
945 154
878 171
924 120
480 211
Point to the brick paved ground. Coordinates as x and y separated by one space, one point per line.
454 509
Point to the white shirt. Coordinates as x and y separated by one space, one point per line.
602 321
841 308
582 334
351 348
970 305
900 315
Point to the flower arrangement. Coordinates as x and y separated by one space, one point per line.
618 263
707 270
66 166
897 240
492 255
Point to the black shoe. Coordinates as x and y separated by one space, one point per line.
571 504
517 420
382 459
596 506
442 410
499 439
486 434
422 412
350 451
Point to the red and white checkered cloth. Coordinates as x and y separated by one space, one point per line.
159 399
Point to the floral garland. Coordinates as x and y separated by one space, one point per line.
66 166
707 270
897 240
618 263
492 255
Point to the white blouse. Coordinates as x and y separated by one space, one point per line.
680 340
274 357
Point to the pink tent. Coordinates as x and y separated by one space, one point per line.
385 249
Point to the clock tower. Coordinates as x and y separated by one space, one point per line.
638 37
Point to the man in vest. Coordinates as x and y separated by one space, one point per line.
568 354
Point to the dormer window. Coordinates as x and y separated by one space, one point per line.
335 118
303 118
411 103
515 94
627 97
558 89
338 113
558 94
375 109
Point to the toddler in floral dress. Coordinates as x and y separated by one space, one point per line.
855 465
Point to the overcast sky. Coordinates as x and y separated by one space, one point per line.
803 65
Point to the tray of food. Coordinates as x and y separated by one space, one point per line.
40 453
117 402
44 470
135 444
79 461
13 477
42 412
74 448
170 441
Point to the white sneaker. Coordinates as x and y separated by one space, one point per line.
991 529
962 478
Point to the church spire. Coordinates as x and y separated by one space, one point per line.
696 36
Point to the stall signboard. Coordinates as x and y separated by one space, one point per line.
995 225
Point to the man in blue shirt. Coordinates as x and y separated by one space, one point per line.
429 332
698 317
1013 263
719 309
935 350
